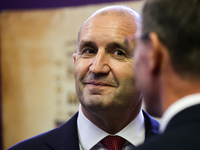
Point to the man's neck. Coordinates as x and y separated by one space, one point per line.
112 120
176 88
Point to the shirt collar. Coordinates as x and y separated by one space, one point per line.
89 134
178 106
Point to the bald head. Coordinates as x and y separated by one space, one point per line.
116 11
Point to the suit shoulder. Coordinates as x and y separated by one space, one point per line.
44 141
33 143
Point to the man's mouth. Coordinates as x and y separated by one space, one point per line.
98 83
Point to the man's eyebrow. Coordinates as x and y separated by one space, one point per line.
124 46
116 44
86 43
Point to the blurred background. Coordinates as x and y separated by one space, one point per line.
37 40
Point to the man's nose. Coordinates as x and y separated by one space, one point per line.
100 63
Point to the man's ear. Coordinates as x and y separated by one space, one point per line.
74 55
156 54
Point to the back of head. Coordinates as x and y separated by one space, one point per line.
177 24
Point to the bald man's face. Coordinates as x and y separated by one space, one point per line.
103 64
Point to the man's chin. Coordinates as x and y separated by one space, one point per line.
97 102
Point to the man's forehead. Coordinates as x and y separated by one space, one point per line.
105 36
114 12
110 22
126 21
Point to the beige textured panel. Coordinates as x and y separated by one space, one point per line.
38 89
26 76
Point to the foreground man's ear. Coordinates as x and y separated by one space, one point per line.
156 54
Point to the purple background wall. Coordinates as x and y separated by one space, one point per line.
40 4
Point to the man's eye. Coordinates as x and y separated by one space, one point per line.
88 51
119 52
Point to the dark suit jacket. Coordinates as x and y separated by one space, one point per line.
65 137
182 133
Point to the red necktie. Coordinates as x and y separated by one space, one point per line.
113 142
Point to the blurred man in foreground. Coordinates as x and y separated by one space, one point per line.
110 114
167 71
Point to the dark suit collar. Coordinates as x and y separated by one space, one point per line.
151 125
65 136
187 116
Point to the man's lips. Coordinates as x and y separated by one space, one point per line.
98 83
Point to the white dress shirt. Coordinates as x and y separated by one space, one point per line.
178 106
90 135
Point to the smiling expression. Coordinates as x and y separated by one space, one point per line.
103 63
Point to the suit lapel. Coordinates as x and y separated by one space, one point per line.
65 137
151 125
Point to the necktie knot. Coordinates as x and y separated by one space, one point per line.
113 142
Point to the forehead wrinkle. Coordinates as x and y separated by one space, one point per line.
119 30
